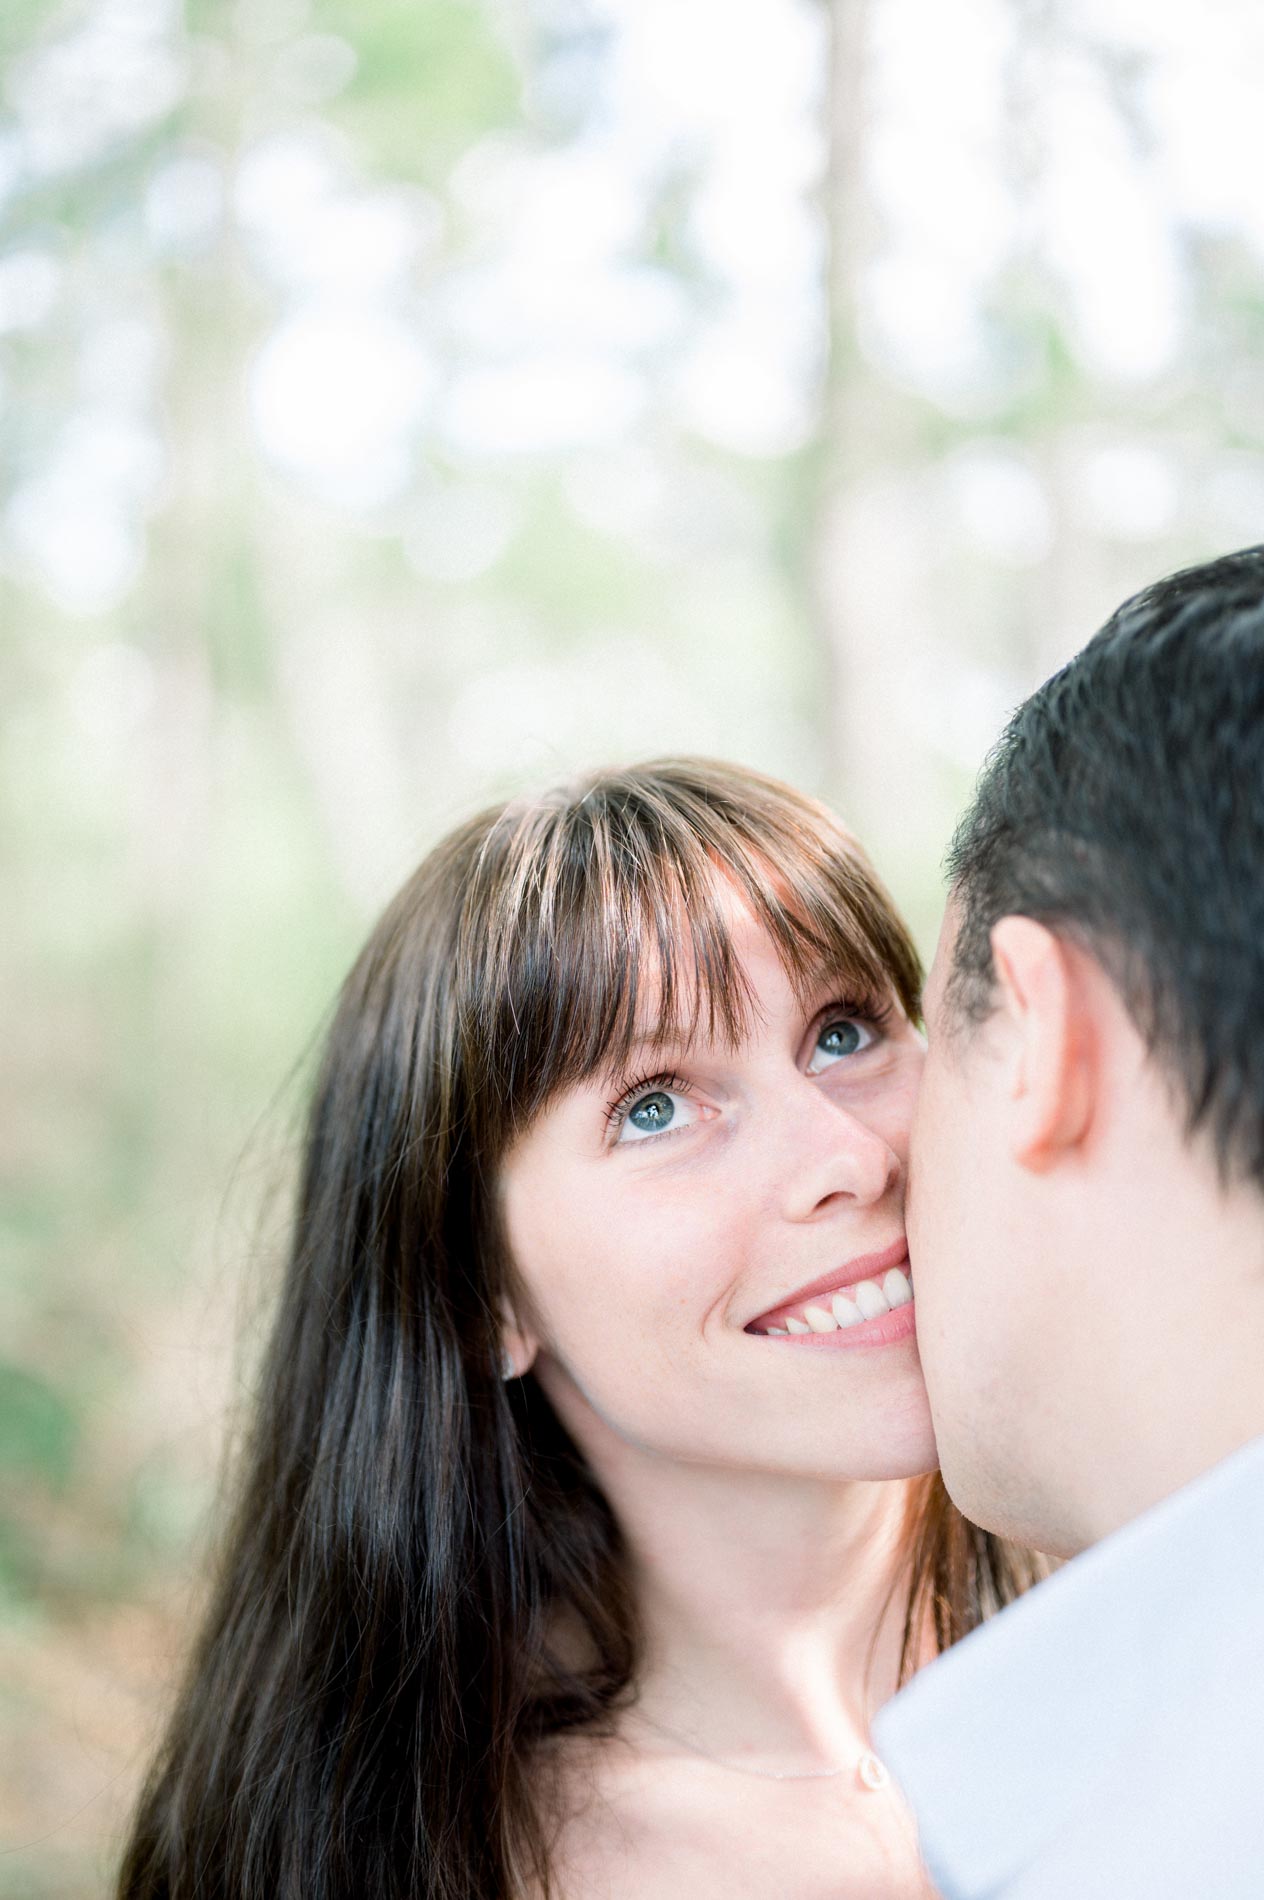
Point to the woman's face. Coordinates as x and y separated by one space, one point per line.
689 1235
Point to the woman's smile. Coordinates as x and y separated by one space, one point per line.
850 1300
888 1328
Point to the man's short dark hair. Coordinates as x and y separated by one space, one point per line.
1124 808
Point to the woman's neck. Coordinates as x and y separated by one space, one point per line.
773 1607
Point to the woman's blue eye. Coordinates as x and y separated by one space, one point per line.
652 1112
845 1036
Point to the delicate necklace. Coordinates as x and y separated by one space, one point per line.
870 1772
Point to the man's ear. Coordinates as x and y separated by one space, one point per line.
1041 998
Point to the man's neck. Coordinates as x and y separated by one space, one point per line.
1187 1374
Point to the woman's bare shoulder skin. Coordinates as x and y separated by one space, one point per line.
656 1827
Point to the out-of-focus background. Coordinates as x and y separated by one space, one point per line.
407 401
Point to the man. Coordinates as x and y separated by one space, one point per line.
1087 1229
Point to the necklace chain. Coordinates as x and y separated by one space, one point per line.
870 1772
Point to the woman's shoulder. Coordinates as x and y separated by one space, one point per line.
641 1826
619 1823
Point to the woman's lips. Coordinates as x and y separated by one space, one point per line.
863 1288
900 1323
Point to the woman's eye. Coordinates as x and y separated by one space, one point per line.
654 1112
844 1036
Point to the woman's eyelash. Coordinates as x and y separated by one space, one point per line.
876 1011
616 1109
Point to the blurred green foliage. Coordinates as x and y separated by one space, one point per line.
38 1429
429 81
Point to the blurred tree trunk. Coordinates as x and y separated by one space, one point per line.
848 405
878 781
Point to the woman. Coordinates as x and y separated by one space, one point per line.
586 1518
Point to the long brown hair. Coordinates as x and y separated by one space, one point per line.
363 1710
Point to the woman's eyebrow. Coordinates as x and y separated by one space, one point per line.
654 1040
653 1043
685 1040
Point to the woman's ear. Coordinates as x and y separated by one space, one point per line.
518 1344
1041 1000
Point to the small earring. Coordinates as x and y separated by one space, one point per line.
508 1370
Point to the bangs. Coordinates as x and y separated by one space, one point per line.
601 918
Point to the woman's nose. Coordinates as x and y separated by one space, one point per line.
836 1156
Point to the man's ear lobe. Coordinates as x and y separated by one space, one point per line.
1049 1047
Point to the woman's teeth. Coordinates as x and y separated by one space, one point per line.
868 1301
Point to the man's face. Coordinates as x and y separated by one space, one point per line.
1087 1283
993 1325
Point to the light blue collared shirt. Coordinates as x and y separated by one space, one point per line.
1103 1738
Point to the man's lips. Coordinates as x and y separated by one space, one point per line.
865 1266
